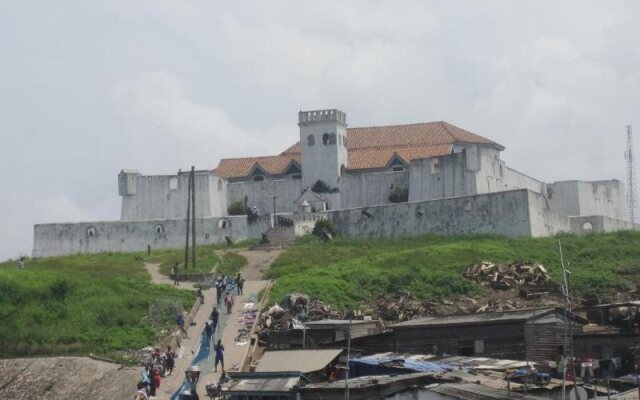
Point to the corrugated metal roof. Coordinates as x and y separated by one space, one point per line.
472 391
271 385
304 361
518 315
339 322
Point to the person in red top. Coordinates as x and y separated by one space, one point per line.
156 378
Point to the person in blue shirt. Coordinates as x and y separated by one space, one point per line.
219 356
180 323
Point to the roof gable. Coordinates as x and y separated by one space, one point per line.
369 148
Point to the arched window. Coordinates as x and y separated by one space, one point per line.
224 223
311 140
325 139
91 231
159 229
587 227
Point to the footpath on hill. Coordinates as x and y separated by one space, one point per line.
190 351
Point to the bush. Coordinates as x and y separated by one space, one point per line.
399 195
320 187
322 227
237 208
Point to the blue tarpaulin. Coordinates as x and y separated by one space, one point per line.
393 364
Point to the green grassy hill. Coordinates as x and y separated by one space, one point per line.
95 303
350 271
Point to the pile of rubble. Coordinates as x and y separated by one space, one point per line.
517 275
401 307
292 312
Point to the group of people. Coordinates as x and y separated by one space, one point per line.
158 366
223 292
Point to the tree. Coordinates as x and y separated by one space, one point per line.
399 195
237 208
324 229
320 187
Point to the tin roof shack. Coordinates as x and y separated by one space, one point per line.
312 363
264 385
368 387
534 334
323 333
461 391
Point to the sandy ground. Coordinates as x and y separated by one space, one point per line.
66 378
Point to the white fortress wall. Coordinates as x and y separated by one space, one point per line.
218 196
260 194
543 220
441 177
503 213
606 198
164 197
581 198
127 236
357 190
495 176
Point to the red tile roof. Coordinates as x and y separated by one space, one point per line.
241 167
369 148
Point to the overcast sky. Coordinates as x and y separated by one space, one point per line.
91 87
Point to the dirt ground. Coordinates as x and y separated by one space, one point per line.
65 378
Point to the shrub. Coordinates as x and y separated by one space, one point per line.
320 187
237 208
322 227
399 195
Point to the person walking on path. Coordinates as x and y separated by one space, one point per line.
218 291
228 301
239 283
170 359
219 356
180 323
215 315
175 271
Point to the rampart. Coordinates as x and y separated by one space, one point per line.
123 236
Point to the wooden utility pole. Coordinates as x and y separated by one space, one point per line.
186 245
193 217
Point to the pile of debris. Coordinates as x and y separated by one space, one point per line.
533 278
401 307
295 309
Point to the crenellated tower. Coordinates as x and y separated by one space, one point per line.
323 140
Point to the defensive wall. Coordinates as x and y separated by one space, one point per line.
519 212
129 236
370 188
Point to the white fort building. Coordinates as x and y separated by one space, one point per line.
383 181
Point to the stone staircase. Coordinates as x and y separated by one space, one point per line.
277 237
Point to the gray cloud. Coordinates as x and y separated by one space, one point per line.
88 88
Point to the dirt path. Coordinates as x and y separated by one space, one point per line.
258 262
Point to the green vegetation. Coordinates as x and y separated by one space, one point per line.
399 195
79 304
207 257
349 271
237 208
231 263
323 226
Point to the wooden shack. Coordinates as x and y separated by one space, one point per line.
532 334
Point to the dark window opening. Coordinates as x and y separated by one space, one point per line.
311 140
325 139
296 176
398 169
465 351
258 178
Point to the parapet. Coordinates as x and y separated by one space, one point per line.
311 117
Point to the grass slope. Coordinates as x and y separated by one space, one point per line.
79 304
345 272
